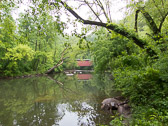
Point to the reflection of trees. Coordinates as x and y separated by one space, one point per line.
88 114
14 100
34 101
41 114
65 90
17 102
90 91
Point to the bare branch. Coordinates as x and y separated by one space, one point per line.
93 10
102 7
81 5
109 12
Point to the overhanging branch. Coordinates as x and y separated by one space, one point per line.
141 43
150 21
113 27
136 20
71 11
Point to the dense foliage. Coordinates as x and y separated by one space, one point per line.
140 77
32 44
134 51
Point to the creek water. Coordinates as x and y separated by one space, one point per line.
57 100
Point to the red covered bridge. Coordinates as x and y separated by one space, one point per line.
85 62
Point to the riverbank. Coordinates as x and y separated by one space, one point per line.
22 76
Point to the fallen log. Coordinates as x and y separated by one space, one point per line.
61 61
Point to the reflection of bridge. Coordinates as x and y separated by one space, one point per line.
81 74
77 71
84 76
85 67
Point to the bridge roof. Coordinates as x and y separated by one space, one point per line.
84 63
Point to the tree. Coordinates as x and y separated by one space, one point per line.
33 44
42 33
103 8
7 33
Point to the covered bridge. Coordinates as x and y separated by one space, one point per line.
85 62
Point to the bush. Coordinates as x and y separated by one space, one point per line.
146 87
17 60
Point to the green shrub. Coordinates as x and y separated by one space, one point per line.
17 59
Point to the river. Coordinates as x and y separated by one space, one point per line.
57 100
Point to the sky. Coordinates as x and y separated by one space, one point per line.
117 12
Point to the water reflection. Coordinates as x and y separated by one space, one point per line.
84 76
58 100
83 118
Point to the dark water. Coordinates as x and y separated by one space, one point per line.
57 100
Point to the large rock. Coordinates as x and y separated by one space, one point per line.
110 104
124 109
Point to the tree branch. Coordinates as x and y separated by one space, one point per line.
156 5
150 21
142 44
101 6
93 10
136 20
108 8
162 21
113 27
71 11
